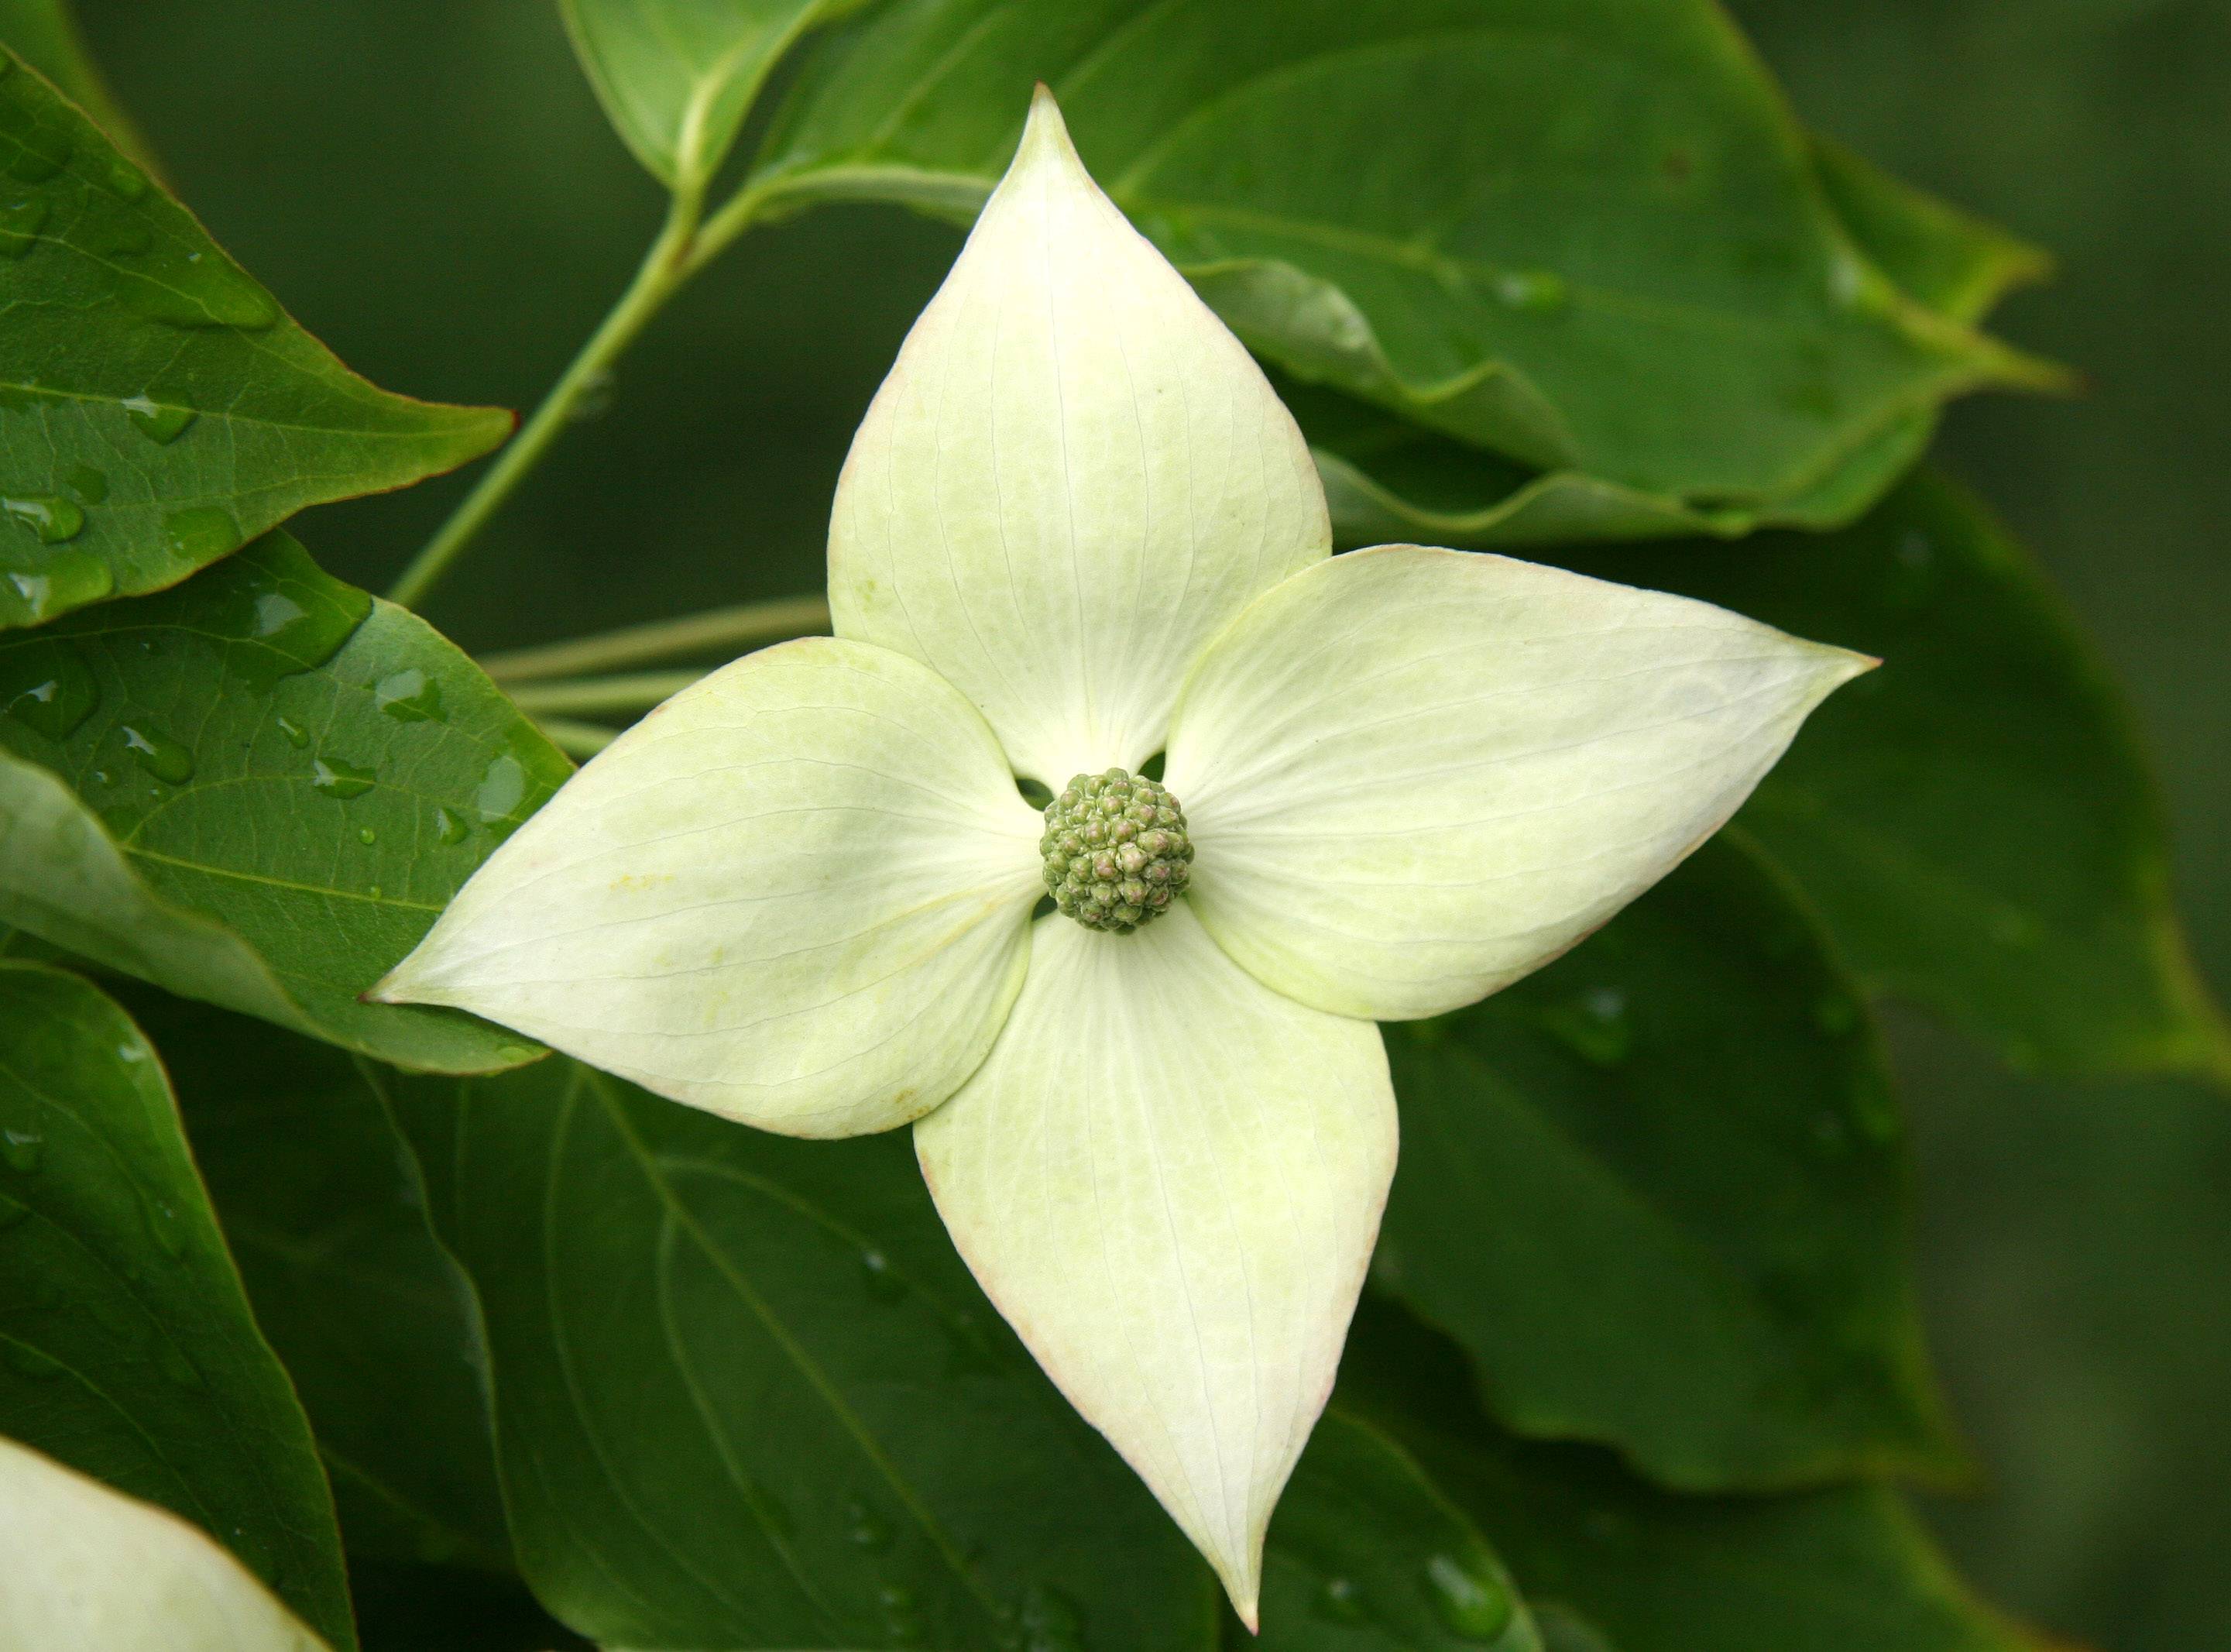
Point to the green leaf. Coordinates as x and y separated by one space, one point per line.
321 1205
1611 1565
260 789
126 1348
1975 822
1956 264
1389 481
1364 1555
157 409
1589 237
677 77
747 1396
44 33
1657 1192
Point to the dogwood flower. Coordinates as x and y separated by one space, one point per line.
1077 530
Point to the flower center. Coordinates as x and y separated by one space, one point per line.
1116 853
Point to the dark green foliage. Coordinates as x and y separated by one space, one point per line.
157 409
126 1347
259 789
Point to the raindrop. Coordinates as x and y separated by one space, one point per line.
502 789
201 533
338 780
156 753
864 1529
281 627
53 518
449 827
373 890
45 686
366 836
68 580
1539 291
126 180
297 736
1593 1025
884 1283
198 289
22 1151
91 486
1341 1601
408 697
902 1617
20 220
170 1232
1470 1599
161 422
513 1052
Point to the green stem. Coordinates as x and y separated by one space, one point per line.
732 631
577 739
665 268
602 695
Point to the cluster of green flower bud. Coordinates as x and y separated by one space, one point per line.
1116 853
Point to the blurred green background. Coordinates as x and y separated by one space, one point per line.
428 186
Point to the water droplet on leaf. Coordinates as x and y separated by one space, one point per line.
864 1529
161 422
22 1151
297 736
1538 291
201 533
45 686
53 518
408 697
1470 1599
450 828
156 753
366 836
68 580
20 220
884 1283
91 486
338 780
127 180
1340 1601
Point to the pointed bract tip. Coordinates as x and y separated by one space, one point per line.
1045 134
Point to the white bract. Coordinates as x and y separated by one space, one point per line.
84 1566
1076 529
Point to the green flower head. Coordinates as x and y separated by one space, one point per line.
1077 530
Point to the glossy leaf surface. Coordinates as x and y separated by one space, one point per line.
1657 1193
320 1201
1366 1556
678 77
1974 820
1612 1564
259 789
1389 480
157 409
127 1351
747 1396
1588 235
